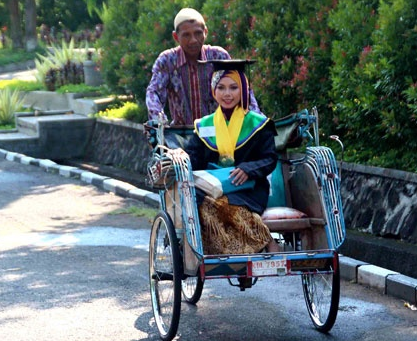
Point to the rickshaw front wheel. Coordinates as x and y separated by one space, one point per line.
165 273
322 294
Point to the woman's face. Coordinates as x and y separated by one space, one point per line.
227 93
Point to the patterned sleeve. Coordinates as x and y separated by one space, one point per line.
216 52
156 93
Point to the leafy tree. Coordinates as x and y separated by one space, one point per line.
22 23
353 23
352 59
30 25
375 98
228 24
67 15
4 20
118 38
135 33
16 31
292 45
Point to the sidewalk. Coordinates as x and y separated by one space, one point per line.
385 281
22 71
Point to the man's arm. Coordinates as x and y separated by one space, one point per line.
156 92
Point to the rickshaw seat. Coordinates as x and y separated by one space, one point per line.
280 215
286 219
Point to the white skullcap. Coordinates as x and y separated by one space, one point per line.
187 14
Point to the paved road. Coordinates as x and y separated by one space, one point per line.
72 267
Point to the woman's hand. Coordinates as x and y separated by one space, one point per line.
238 176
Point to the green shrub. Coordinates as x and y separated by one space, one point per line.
119 38
10 56
21 85
373 78
136 32
128 111
80 88
353 23
61 65
7 126
10 102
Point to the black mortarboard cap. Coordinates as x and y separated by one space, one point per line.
229 64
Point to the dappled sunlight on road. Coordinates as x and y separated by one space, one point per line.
88 236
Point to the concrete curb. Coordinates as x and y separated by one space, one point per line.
105 183
386 281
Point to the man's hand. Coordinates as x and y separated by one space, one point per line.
177 155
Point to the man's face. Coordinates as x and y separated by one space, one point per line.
191 37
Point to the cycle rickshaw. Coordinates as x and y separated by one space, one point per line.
304 212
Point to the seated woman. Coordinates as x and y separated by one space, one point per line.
234 136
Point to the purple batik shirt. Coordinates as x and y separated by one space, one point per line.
186 88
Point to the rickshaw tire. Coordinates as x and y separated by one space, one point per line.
194 295
167 323
326 322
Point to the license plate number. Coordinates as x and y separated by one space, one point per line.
269 267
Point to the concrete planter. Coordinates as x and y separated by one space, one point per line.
92 75
84 104
47 100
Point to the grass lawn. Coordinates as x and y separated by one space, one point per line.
9 56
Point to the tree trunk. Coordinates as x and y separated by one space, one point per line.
16 33
30 25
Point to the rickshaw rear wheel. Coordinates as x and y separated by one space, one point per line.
192 288
322 294
165 273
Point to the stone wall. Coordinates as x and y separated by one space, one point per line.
49 136
381 202
120 144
